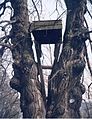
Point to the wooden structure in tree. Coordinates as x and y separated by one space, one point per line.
47 32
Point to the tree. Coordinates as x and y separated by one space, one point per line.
65 89
9 99
71 65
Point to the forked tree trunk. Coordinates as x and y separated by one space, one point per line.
65 88
25 70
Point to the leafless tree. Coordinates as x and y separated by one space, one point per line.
9 99
65 89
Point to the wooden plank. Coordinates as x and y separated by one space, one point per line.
46 25
46 67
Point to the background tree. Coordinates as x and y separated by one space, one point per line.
9 99
65 89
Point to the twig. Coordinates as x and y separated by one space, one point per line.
3 5
4 37
5 45
88 60
89 90
36 9
87 108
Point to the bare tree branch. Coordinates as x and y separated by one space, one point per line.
4 37
36 9
3 6
89 13
90 1
89 90
5 45
87 108
88 63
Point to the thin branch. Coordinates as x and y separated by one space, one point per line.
89 13
90 41
88 63
90 1
89 67
4 37
61 14
89 90
8 23
36 9
3 6
5 45
87 108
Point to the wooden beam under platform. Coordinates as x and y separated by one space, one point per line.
46 67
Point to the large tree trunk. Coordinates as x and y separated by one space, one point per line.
65 89
25 78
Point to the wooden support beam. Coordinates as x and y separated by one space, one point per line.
46 25
46 67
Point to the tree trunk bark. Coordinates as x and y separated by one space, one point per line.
25 78
65 88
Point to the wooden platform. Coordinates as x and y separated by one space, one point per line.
47 32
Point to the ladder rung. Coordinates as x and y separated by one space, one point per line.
46 67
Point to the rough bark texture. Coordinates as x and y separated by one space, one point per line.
25 69
65 89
